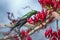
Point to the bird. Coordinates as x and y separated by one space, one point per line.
23 19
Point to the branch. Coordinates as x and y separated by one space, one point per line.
9 37
10 26
6 25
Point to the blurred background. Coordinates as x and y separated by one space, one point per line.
17 7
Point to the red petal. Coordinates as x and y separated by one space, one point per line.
39 15
58 6
43 16
28 30
47 34
26 34
54 34
55 3
30 20
47 1
50 30
53 38
58 37
23 33
36 18
40 1
29 38
58 32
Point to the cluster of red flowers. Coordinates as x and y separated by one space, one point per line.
39 17
54 4
25 35
53 35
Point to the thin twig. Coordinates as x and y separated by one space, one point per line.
57 24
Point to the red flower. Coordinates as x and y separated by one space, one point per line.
26 34
53 38
58 6
30 20
40 1
23 33
48 33
43 17
54 3
58 32
36 19
39 15
47 1
54 34
50 30
29 38
58 37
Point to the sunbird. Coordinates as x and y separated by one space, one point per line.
23 19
